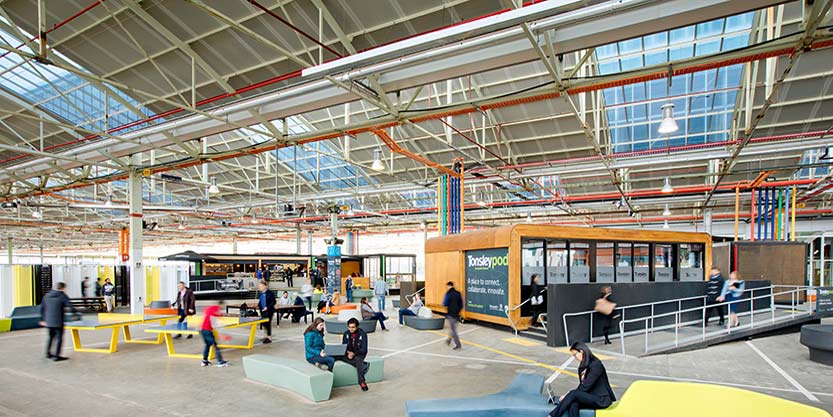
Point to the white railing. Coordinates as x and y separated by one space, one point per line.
795 299
508 312
623 310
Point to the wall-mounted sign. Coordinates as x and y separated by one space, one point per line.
487 281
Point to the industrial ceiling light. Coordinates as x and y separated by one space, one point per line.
37 214
378 165
254 219
109 202
667 211
213 188
667 188
181 226
668 125
665 224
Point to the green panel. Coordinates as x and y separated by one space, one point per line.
345 374
5 325
301 377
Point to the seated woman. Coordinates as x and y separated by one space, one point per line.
593 391
326 302
411 310
369 314
317 289
314 345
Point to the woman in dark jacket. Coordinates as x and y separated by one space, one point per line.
536 298
593 391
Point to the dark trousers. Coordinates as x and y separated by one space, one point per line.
607 323
268 325
536 311
358 363
56 335
309 302
710 310
330 362
381 317
452 329
575 400
404 312
182 315
289 281
208 337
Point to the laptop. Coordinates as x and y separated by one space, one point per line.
335 350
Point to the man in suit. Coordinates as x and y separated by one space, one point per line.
52 317
186 304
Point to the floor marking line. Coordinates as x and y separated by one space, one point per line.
444 337
783 373
555 375
700 381
516 357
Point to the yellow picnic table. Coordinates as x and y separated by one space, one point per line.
114 321
193 328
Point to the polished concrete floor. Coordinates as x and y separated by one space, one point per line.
140 380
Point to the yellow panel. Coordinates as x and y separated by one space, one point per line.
153 286
119 317
521 341
23 287
105 272
684 399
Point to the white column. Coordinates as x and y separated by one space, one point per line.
234 245
137 270
309 242
9 248
298 240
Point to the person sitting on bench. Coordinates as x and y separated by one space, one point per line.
369 314
298 313
285 301
411 310
314 345
356 341
326 302
593 391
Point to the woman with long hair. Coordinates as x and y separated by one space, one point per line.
732 291
314 345
593 391
607 319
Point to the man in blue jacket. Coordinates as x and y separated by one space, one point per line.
266 306
52 317
356 341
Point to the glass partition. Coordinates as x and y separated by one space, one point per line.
605 269
624 262
691 262
663 266
557 261
579 262
641 262
532 262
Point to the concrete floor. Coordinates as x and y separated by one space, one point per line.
140 380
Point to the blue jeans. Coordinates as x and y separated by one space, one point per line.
330 362
349 293
208 337
380 302
404 312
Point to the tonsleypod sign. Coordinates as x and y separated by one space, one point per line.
487 281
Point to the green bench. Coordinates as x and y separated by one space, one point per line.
345 374
291 374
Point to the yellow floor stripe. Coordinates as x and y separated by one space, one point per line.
522 342
600 356
516 357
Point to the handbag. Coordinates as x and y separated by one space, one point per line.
537 300
604 306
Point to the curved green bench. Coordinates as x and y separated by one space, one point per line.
345 374
339 327
422 323
291 374
358 294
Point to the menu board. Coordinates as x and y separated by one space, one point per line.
45 284
824 301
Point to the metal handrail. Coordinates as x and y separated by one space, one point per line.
623 310
677 314
507 310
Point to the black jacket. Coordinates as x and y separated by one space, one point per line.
357 345
189 303
454 302
593 380
713 288
52 308
270 301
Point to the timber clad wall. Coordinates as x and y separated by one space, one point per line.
445 256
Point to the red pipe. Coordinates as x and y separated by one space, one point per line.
295 28
58 25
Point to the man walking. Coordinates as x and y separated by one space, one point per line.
84 284
454 303
108 290
52 317
714 286
266 306
186 304
356 341
380 290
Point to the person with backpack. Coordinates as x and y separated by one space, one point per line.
266 306
453 302
356 341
